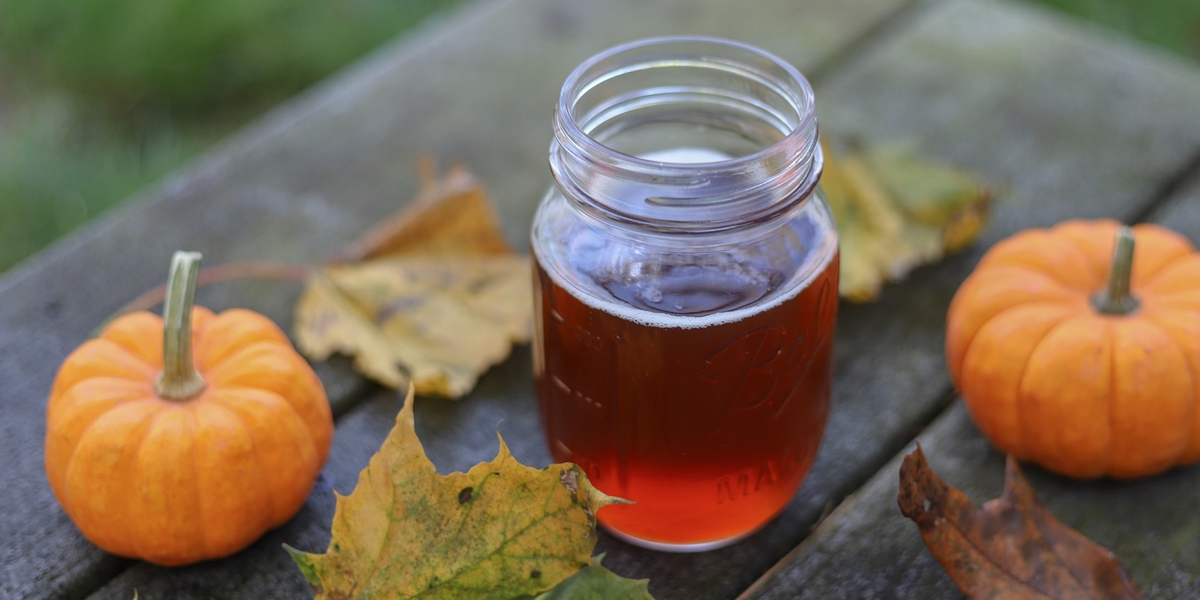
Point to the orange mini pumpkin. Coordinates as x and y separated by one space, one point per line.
158 456
1083 356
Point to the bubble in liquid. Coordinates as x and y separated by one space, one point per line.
653 295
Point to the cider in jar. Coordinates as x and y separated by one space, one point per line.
686 288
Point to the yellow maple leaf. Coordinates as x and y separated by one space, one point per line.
501 530
896 210
434 295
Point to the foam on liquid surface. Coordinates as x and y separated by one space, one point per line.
723 287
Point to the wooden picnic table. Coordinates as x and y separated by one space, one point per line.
1064 119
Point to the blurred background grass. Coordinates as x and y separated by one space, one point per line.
98 98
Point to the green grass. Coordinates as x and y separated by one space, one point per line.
1170 24
61 164
100 97
195 55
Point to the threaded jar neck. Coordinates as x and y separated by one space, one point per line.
626 115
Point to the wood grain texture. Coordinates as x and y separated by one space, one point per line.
1004 90
866 548
476 86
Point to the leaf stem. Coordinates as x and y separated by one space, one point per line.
1116 297
221 273
179 380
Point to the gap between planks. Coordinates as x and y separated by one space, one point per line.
944 403
1166 193
877 34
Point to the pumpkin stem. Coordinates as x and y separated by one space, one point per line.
1116 298
179 380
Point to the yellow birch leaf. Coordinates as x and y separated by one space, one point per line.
895 211
439 300
500 531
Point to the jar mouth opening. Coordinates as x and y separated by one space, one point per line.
689 133
660 51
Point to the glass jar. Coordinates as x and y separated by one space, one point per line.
686 288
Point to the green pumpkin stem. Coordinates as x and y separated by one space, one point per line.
1116 298
179 380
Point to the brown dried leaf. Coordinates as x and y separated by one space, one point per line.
439 298
1012 548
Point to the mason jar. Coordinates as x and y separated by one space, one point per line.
686 288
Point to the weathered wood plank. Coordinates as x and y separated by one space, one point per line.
273 575
1029 101
1181 212
883 394
976 99
265 571
868 549
477 87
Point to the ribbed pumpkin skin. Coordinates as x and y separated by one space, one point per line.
1048 378
180 482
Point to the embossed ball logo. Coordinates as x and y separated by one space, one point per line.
764 366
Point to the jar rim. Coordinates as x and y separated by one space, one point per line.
726 194
571 91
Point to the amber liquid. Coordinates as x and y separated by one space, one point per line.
710 430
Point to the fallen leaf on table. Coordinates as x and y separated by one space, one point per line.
500 531
434 295
598 583
1012 547
895 211
451 215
